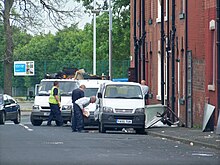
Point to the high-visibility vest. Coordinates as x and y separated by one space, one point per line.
52 99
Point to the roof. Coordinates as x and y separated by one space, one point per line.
92 82
59 80
123 83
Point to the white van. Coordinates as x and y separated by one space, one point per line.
41 108
92 86
120 105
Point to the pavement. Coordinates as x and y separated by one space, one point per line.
191 136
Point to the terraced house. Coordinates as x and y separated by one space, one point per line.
175 48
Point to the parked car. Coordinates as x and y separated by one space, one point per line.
9 109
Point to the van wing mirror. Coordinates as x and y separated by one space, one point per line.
99 95
37 86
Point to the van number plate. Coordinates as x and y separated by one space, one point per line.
122 121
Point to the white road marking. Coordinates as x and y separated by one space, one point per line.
26 127
54 143
203 154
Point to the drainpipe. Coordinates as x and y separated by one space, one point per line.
218 52
143 39
162 52
135 44
139 45
178 77
168 54
173 58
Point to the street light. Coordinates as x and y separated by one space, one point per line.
94 40
97 11
110 41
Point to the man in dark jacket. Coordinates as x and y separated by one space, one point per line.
77 120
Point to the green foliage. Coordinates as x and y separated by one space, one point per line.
73 47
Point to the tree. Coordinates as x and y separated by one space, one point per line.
29 14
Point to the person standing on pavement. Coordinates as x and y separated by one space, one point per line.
79 106
76 94
54 101
145 90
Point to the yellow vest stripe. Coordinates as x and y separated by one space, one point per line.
52 99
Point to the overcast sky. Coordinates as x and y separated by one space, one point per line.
85 18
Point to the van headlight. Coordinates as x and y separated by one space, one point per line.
139 110
67 107
107 109
36 107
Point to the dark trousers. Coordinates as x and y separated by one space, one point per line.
77 118
55 114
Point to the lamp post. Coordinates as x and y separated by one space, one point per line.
94 39
97 11
110 41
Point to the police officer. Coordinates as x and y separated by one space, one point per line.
76 120
54 101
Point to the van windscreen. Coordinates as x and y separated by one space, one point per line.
66 87
123 91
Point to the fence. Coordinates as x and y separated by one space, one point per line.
23 84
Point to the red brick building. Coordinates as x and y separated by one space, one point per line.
193 74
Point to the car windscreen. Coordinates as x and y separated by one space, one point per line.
123 91
66 87
90 92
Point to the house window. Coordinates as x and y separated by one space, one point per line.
182 9
166 11
182 6
159 72
211 87
159 10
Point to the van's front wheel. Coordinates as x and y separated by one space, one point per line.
36 122
140 131
101 128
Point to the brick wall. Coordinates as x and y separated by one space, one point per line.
199 14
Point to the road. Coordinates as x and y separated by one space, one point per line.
26 144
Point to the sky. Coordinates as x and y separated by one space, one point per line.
82 21
86 18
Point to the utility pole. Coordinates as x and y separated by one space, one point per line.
110 40
173 57
94 39
162 51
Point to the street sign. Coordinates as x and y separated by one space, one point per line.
23 68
